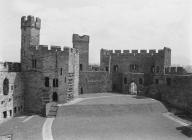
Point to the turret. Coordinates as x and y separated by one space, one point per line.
30 36
82 44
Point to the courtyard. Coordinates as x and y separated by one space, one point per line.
100 116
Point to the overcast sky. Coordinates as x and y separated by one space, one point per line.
111 24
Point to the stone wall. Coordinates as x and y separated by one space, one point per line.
146 62
94 82
173 89
11 104
128 78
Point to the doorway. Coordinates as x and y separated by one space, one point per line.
133 88
81 90
55 97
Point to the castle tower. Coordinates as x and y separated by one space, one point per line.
82 44
30 35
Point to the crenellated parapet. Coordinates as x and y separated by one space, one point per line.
151 52
175 70
10 66
43 49
30 21
78 38
106 52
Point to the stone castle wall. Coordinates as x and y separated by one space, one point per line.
60 67
12 103
128 78
144 60
94 82
173 89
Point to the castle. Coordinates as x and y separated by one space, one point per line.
58 74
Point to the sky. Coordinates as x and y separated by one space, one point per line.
111 24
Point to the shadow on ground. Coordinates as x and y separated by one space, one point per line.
186 130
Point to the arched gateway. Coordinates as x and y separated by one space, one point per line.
133 88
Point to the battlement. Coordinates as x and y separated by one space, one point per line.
30 21
10 66
78 38
132 52
175 70
52 49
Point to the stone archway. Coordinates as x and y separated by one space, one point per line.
55 97
133 88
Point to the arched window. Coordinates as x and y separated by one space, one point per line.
5 86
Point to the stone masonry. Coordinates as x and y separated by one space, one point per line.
55 74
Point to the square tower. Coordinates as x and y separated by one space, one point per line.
82 44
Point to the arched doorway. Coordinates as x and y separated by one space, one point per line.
133 88
55 97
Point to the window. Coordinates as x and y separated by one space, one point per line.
80 67
140 81
12 87
125 80
106 68
55 82
46 81
5 86
34 63
65 79
5 114
156 81
115 68
10 112
152 69
21 107
168 80
15 110
134 67
157 69
61 71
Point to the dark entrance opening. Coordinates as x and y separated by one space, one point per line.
5 114
55 97
81 90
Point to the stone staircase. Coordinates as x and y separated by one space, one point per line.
52 110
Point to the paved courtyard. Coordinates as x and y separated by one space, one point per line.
99 116
114 117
